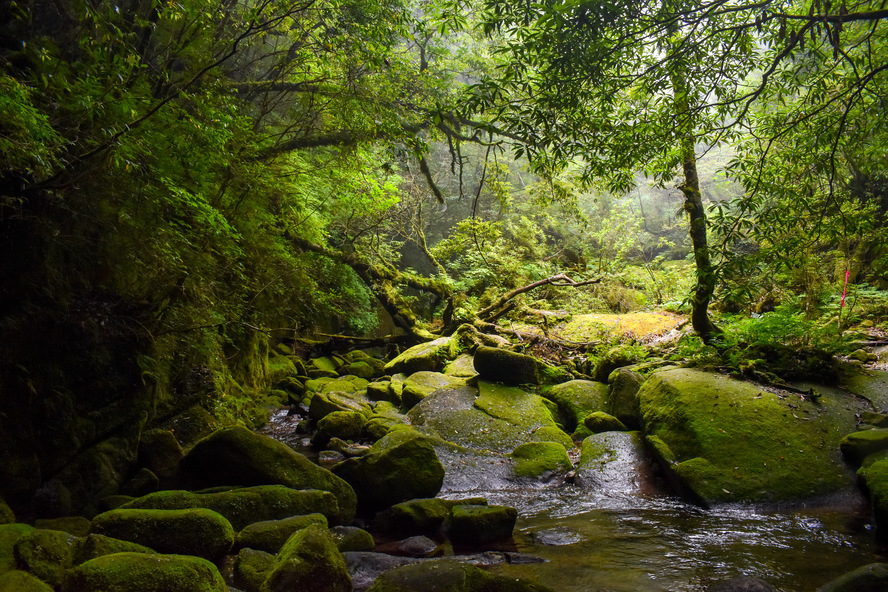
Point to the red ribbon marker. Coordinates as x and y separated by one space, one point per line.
845 289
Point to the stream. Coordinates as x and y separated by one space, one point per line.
628 536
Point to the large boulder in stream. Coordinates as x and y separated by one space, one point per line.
309 561
429 357
237 456
402 465
615 462
139 572
445 575
729 441
576 399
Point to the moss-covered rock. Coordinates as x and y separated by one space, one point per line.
345 425
462 367
352 538
348 384
875 477
446 575
97 545
142 483
246 505
22 581
323 364
416 517
46 554
324 403
160 452
309 560
378 426
576 399
420 385
429 357
270 535
540 459
731 441
76 525
858 445
139 572
9 536
361 369
622 400
402 465
603 422
237 456
250 569
190 426
613 461
196 531
471 524
867 578
616 357
7 516
379 391
501 365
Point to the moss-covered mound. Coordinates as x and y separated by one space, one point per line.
603 422
429 357
615 462
246 505
237 456
501 365
196 531
6 514
402 465
576 399
270 535
250 569
472 524
727 440
623 397
138 572
418 517
539 459
446 575
9 536
309 560
420 385
345 425
46 554
22 581
859 445
875 477
352 539
97 545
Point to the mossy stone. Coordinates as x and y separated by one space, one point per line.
352 538
160 452
402 465
420 385
244 506
323 363
379 425
538 459
461 367
140 572
345 425
414 517
446 575
250 569
616 462
471 524
622 399
7 516
97 545
196 531
46 554
867 578
279 367
875 477
379 391
501 365
616 357
142 483
9 536
270 535
76 525
349 384
309 560
430 356
576 399
858 445
603 422
525 411
731 441
22 581
237 456
361 369
324 403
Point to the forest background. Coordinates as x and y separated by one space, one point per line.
186 182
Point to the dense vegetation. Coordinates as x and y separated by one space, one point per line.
183 181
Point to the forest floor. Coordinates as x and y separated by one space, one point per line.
646 327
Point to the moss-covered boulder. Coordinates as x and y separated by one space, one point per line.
139 572
622 400
576 399
859 445
474 524
420 385
309 560
379 391
429 357
867 578
875 478
345 425
7 516
362 369
615 462
417 517
352 539
160 452
728 441
540 459
348 384
402 465
76 525
501 365
270 535
603 422
9 536
250 569
462 367
47 554
237 456
196 531
243 506
616 357
490 417
97 545
324 403
22 581
446 575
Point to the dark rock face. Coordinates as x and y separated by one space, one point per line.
742 584
501 365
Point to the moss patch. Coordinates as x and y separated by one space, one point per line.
309 558
734 442
9 535
138 572
46 554
536 459
22 581
446 575
270 535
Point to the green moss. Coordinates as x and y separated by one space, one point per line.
875 477
603 422
576 399
446 575
270 535
535 459
501 365
423 384
195 531
858 445
461 367
525 411
9 535
76 525
244 506
138 572
414 517
308 558
46 554
323 404
251 567
480 524
352 538
7 516
345 425
734 442
429 356
22 581
97 545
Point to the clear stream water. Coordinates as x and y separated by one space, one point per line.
633 536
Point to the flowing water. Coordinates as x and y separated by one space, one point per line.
627 534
